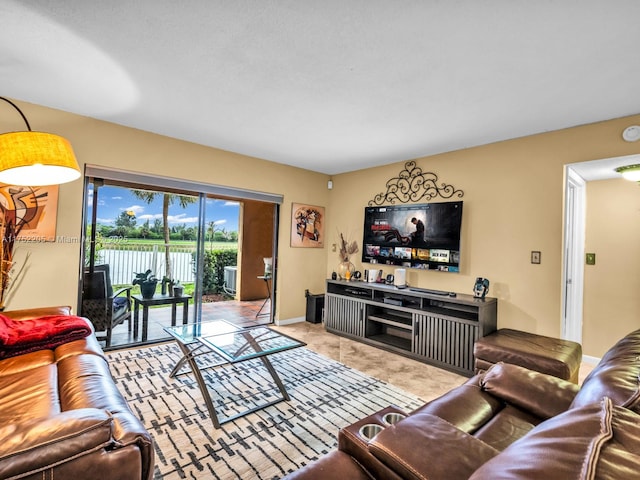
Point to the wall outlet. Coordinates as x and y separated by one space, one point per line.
536 257
591 258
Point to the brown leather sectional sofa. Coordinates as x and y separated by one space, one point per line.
506 423
62 417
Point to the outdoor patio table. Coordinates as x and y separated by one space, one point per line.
158 300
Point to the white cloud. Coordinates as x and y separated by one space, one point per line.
149 216
105 220
171 219
180 219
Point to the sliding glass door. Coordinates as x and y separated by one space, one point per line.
156 256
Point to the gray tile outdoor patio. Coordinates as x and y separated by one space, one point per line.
239 313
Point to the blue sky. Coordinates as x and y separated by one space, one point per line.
114 200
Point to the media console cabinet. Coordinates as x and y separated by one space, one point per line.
429 326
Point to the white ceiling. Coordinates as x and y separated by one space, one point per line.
327 85
603 169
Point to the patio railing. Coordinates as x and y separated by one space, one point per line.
127 258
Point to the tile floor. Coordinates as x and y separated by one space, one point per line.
240 313
423 380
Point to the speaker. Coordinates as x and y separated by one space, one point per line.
400 277
372 276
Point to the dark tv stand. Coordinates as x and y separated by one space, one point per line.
428 325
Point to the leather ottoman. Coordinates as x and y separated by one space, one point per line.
553 356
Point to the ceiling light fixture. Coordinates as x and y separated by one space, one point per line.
631 134
35 158
630 172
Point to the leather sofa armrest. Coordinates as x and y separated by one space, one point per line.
28 313
424 446
37 444
543 395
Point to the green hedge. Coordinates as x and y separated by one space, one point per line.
214 263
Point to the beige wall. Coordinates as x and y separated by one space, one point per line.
512 205
52 275
611 300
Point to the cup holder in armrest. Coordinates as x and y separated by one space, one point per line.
392 418
370 430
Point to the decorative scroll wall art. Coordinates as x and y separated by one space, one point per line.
414 185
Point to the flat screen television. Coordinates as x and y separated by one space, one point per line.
425 236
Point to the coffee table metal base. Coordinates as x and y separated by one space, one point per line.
192 350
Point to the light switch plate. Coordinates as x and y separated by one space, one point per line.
591 258
536 257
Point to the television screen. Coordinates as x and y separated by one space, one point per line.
425 236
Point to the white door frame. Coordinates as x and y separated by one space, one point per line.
573 249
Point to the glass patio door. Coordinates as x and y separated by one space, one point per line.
140 254
138 226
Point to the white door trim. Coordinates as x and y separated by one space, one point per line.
573 255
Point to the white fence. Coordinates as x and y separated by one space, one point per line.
125 259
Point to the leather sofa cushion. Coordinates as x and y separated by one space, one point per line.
87 345
467 406
22 363
509 425
41 443
85 382
616 376
597 441
543 395
27 396
423 446
38 312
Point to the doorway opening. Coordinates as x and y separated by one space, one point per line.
579 297
204 254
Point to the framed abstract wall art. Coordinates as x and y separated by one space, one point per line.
307 226
32 209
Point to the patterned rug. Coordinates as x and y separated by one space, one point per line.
268 444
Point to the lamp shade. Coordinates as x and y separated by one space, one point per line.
36 158
630 172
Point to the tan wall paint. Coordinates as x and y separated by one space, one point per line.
52 274
611 301
513 204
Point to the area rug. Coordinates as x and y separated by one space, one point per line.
267 444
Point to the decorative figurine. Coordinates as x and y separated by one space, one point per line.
481 288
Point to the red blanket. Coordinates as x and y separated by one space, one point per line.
48 332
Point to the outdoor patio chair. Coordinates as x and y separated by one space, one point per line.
105 308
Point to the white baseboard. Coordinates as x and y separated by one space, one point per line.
289 321
590 360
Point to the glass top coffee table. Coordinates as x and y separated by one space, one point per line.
230 344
